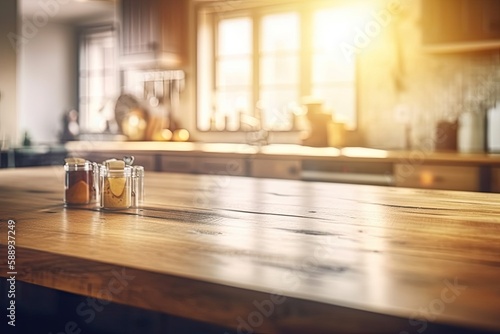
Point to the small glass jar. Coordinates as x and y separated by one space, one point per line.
115 187
78 183
96 195
137 186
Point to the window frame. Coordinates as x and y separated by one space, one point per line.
306 52
83 34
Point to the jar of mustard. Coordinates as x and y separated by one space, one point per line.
115 185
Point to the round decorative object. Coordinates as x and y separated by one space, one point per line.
134 125
124 104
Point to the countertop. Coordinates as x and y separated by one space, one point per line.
312 257
280 151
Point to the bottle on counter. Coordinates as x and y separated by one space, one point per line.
446 136
78 181
471 136
115 185
137 186
493 129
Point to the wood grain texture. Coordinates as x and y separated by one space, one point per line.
211 247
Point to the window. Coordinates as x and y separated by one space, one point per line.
279 62
264 60
98 79
333 77
234 71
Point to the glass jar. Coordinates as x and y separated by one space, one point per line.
115 187
78 183
137 186
96 196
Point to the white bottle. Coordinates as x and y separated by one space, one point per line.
470 133
493 131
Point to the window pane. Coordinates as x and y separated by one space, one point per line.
334 70
337 25
327 68
96 121
334 28
279 68
109 57
275 104
280 32
109 85
234 72
341 100
95 85
98 80
235 36
96 58
229 106
276 70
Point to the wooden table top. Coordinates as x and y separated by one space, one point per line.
307 257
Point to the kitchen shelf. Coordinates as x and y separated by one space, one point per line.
451 26
475 46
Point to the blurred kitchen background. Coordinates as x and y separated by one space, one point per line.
386 74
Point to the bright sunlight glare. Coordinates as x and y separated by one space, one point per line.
338 25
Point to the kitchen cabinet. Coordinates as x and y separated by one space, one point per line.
460 25
222 166
275 168
37 156
177 164
495 179
5 159
203 165
445 177
374 173
148 161
154 33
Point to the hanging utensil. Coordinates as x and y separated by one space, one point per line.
153 100
159 92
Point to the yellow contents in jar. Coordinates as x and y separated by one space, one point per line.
116 193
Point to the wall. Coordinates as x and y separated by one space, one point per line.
404 90
8 72
48 81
